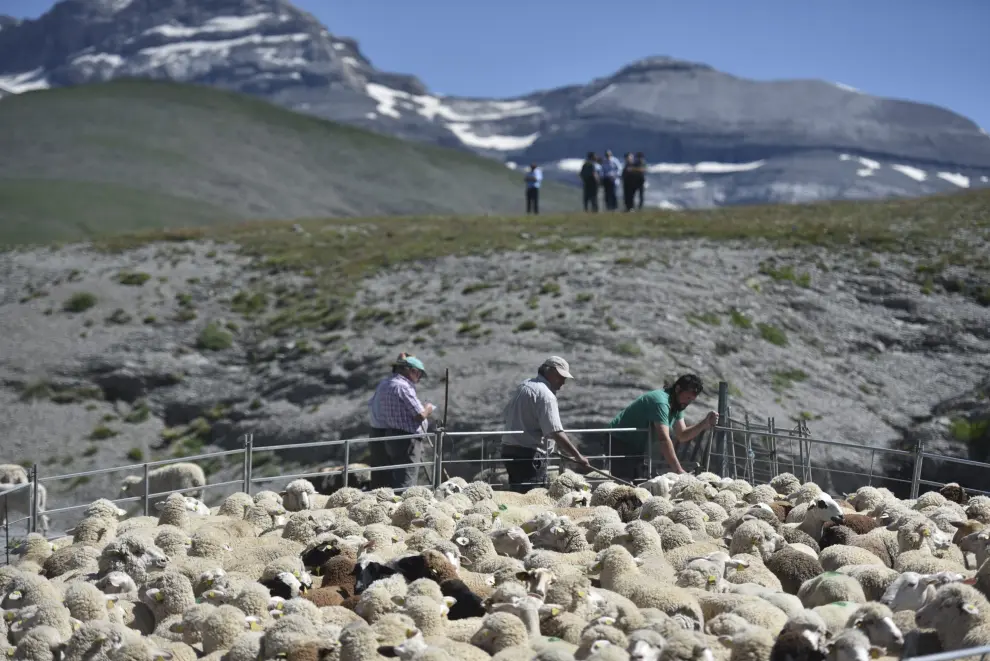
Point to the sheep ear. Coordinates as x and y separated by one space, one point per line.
725 640
970 608
399 600
462 541
388 651
159 505
410 633
418 523
876 652
522 575
957 524
450 601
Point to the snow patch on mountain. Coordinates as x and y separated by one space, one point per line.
28 81
465 134
960 180
217 24
907 170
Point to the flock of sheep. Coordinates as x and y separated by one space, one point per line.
680 568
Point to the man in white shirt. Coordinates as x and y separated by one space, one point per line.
532 410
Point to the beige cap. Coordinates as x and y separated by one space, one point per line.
560 365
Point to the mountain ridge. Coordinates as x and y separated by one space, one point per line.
678 112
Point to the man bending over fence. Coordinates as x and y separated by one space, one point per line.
658 411
396 411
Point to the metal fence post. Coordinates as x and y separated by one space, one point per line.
250 463
438 459
147 502
6 527
919 458
244 465
347 459
34 498
723 417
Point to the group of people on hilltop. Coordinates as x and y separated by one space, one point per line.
599 173
531 412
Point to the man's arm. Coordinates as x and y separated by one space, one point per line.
420 412
572 450
551 427
685 433
667 447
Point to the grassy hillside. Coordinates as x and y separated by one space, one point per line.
132 155
945 231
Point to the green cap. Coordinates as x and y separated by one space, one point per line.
412 361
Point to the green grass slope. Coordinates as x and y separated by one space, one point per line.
133 155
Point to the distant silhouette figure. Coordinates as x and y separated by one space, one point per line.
533 179
591 175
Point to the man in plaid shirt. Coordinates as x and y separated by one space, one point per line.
395 410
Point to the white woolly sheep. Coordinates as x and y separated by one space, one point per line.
172 477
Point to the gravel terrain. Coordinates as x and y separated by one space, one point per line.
854 343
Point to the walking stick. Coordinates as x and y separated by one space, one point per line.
597 470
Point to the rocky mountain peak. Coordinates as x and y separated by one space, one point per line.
661 63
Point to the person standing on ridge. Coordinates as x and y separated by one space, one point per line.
533 179
591 175
611 167
628 181
532 409
639 164
658 411
395 410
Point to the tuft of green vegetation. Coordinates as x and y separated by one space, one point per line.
135 454
102 432
249 303
469 328
772 334
421 324
138 414
59 394
584 297
785 273
90 451
969 431
214 337
79 302
133 279
630 349
739 320
527 325
551 288
782 380
476 287
118 317
611 323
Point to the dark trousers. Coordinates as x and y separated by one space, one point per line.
591 196
533 200
528 467
401 451
641 191
629 468
611 203
628 193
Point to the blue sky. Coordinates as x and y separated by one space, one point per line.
931 51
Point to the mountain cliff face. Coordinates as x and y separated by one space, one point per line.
713 139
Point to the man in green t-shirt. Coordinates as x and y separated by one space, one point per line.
659 411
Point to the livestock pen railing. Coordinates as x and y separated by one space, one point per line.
745 449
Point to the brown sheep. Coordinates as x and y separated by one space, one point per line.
332 595
952 491
781 509
793 567
859 523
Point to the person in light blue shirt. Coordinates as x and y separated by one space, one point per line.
533 179
611 169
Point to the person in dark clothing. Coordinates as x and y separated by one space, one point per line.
591 176
533 179
628 182
640 163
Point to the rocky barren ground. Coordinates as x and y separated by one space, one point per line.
171 348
